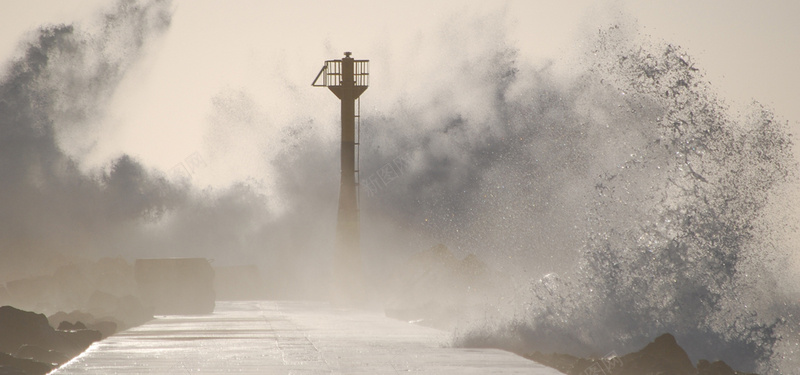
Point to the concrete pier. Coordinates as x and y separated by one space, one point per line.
272 337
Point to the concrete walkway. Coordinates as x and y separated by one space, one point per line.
269 337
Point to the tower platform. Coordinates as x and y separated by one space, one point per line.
274 337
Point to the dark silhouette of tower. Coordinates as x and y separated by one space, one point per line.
348 79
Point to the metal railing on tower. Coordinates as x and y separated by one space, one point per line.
331 74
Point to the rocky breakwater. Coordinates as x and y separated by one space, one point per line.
99 295
29 345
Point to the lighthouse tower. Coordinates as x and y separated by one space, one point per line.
348 79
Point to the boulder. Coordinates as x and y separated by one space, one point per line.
76 341
13 365
70 286
67 326
716 368
6 370
125 312
18 328
105 327
77 283
72 318
663 355
42 355
68 322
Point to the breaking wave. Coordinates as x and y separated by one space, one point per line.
684 231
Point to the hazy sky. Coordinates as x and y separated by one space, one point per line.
226 89
272 50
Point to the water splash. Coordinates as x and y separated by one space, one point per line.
62 82
681 235
632 169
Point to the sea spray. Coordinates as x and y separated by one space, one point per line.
57 88
529 170
678 237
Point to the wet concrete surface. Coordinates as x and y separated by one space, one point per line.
277 337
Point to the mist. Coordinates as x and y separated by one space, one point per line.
146 132
257 186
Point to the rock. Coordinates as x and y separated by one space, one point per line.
126 311
716 368
106 328
41 355
6 370
663 355
72 318
107 325
78 283
9 363
18 327
70 286
78 341
67 326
